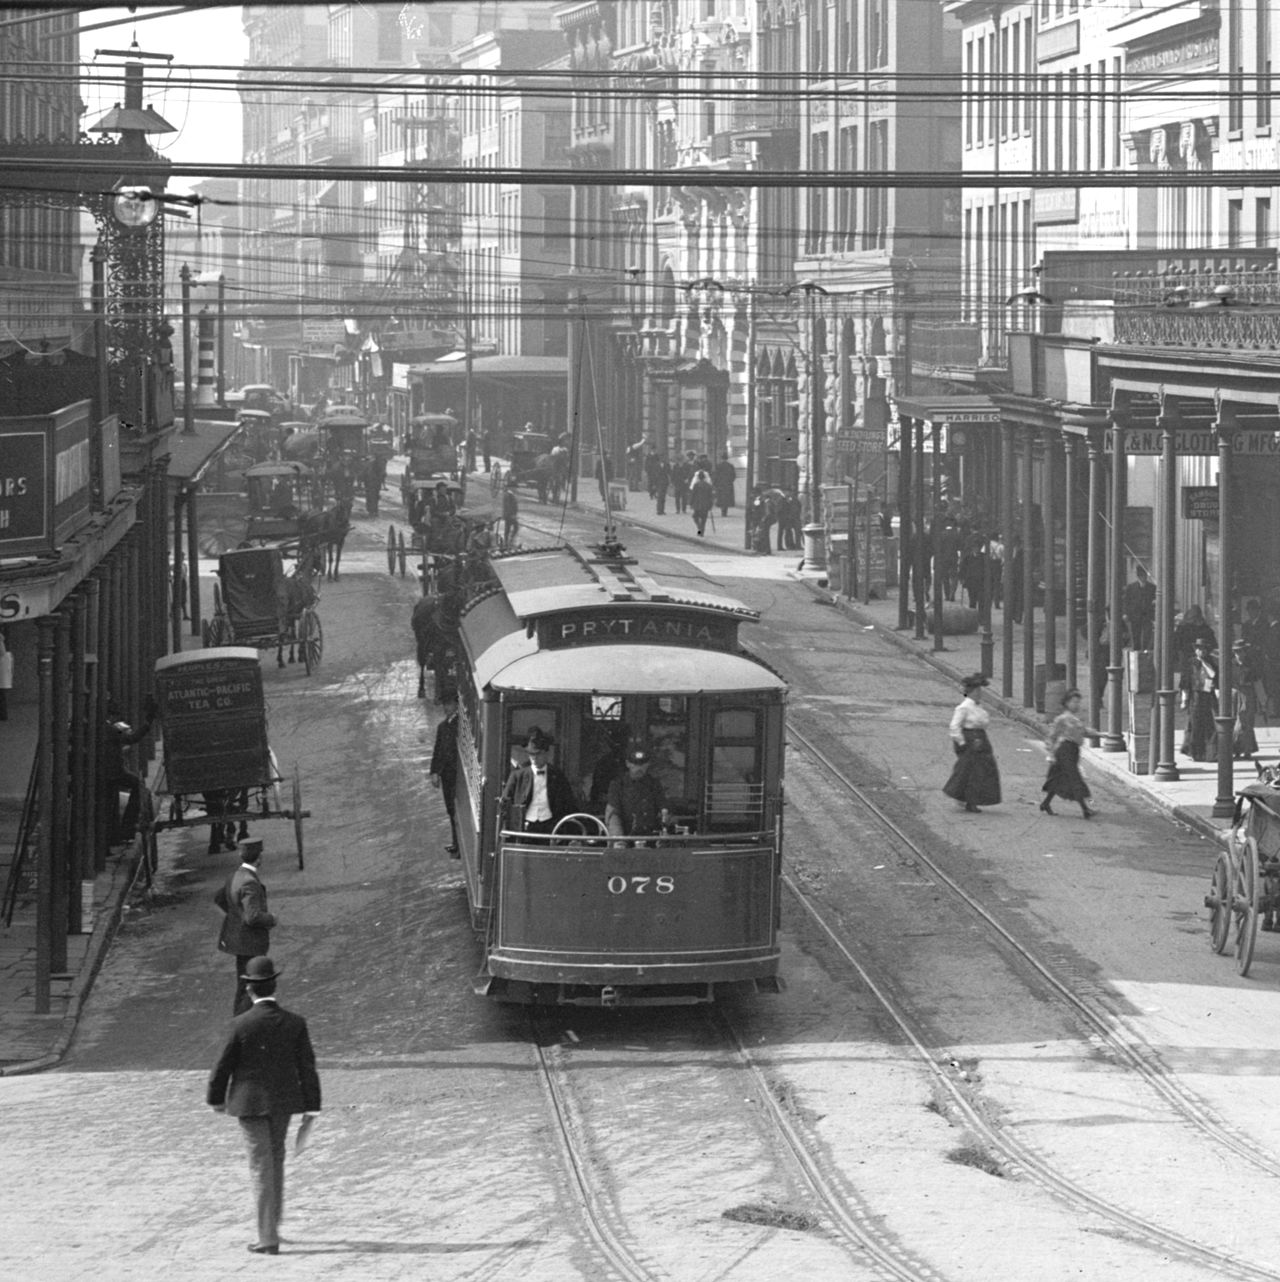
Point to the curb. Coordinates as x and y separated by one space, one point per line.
104 931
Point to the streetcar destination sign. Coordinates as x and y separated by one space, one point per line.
624 624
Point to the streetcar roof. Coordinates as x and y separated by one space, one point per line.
220 653
625 669
557 579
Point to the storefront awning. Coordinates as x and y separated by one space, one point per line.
189 455
955 410
454 365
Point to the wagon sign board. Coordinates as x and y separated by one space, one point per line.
215 727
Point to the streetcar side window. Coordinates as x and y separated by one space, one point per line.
735 789
668 740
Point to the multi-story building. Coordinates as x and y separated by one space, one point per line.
40 252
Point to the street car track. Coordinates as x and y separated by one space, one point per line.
1134 1054
859 1228
597 1215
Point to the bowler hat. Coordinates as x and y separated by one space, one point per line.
259 969
538 740
973 680
250 846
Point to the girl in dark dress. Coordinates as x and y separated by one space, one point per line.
1064 778
975 781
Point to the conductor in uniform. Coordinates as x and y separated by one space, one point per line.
444 765
537 794
635 805
266 1073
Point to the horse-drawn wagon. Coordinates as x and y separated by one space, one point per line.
255 603
1245 888
217 768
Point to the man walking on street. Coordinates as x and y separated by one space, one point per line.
246 924
444 765
265 1074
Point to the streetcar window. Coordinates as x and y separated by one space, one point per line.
668 739
606 707
525 717
735 792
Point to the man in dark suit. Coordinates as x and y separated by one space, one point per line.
537 794
444 764
265 1074
246 924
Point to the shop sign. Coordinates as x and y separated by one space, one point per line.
28 601
26 499
1199 502
1199 442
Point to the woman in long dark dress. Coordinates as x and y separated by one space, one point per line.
1065 738
975 780
1199 686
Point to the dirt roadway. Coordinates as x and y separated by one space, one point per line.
435 1155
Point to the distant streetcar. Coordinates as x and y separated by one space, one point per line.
604 660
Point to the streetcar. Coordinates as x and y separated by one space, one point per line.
597 655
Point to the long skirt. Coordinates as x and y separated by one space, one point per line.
976 777
1200 740
1244 742
1064 778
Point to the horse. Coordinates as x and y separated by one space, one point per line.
300 593
559 472
435 624
222 832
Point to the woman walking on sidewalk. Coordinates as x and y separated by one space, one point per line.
1064 778
975 781
1200 698
701 497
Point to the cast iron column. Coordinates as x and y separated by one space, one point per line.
45 629
1071 622
936 531
1028 575
905 546
1050 566
193 557
1113 739
919 548
60 844
1095 552
1166 763
1224 802
1006 534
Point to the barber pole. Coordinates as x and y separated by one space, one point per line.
206 393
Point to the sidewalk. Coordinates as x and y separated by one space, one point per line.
1189 799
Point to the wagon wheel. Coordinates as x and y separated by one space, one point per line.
1218 900
391 549
297 815
1246 906
400 553
310 639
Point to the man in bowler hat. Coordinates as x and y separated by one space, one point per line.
246 924
265 1074
537 794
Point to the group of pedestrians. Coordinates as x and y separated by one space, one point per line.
266 1070
975 778
694 484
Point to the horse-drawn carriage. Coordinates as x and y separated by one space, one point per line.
439 527
1245 888
432 448
218 768
281 495
255 603
539 461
